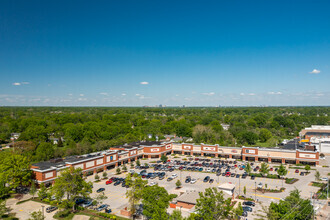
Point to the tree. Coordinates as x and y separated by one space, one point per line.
244 190
33 189
155 201
97 178
60 142
71 184
248 168
3 208
292 207
118 171
307 168
134 194
317 176
138 163
105 175
124 168
212 205
176 215
100 198
37 216
264 169
45 151
15 170
42 191
4 190
178 184
239 210
265 135
282 171
163 158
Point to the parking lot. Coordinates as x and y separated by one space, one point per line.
117 199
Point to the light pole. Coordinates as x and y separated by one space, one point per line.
255 190
43 213
239 185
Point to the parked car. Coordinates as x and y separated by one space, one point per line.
193 181
188 179
244 176
117 183
87 203
108 210
51 209
237 175
211 181
324 179
297 171
228 174
152 183
249 203
247 209
169 179
259 185
174 175
206 179
100 190
102 207
253 177
245 214
233 175
108 182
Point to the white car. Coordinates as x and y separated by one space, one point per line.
208 170
193 181
152 183
260 185
324 178
174 175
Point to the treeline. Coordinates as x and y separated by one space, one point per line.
89 129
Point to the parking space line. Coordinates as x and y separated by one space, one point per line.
269 197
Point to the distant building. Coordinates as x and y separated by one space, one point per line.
225 126
15 136
318 136
316 131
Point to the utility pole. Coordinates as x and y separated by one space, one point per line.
239 185
255 191
43 213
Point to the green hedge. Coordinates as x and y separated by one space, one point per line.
290 180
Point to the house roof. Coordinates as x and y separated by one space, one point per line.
189 197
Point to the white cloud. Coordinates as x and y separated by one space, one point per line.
82 99
81 95
274 93
123 94
208 93
25 83
252 94
315 71
137 94
70 94
104 93
241 94
144 83
16 84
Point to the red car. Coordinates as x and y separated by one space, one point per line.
297 171
108 182
241 168
228 174
271 169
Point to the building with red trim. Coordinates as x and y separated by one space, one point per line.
47 171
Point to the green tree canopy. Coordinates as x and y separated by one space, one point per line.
70 183
212 205
155 200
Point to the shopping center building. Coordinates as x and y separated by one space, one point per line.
47 171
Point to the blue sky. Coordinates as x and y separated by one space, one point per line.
193 53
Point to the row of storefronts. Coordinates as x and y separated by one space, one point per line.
48 171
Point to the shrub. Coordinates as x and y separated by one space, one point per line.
106 215
272 176
62 214
245 198
290 180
